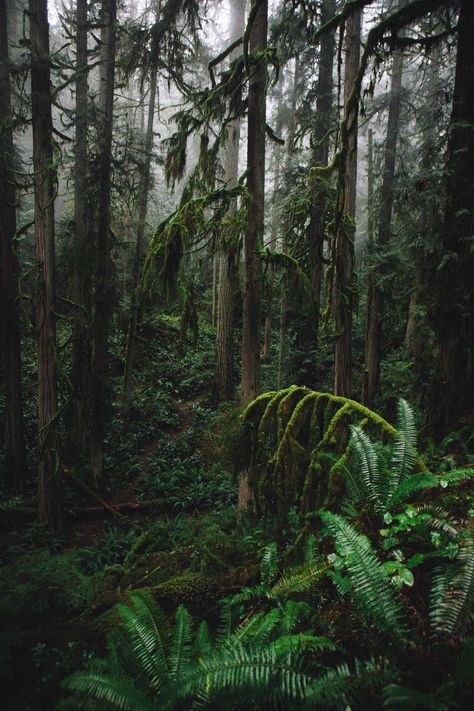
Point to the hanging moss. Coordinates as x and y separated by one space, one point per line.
300 448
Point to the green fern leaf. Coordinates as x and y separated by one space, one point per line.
148 632
117 692
371 586
452 595
298 581
180 652
367 460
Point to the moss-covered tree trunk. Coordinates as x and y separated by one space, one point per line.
375 296
103 275
14 443
256 189
49 471
229 248
344 257
452 391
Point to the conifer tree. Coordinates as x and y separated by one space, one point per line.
256 188
375 297
103 273
344 251
229 248
14 444
49 477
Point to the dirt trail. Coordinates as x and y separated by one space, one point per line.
86 531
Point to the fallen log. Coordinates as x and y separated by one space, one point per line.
29 513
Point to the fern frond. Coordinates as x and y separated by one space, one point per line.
452 595
293 613
257 628
247 595
440 520
303 641
180 652
111 691
310 550
330 688
242 671
268 568
401 697
465 667
147 630
298 581
371 586
406 424
202 641
367 460
336 688
411 485
404 452
456 476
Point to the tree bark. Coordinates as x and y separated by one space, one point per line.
308 339
82 252
267 338
370 242
375 297
452 388
14 445
255 221
103 284
344 257
284 298
215 286
49 474
228 258
140 243
417 337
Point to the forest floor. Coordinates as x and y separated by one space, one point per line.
53 586
188 547
87 531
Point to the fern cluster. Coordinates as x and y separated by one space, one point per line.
369 617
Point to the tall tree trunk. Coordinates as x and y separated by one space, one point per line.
103 284
49 474
283 336
452 388
255 221
370 243
308 338
229 250
375 297
418 341
215 286
267 338
284 299
344 258
15 459
82 251
140 243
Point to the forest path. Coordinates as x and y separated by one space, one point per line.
124 504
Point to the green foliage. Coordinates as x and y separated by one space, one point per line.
111 549
161 665
370 583
36 588
452 594
300 450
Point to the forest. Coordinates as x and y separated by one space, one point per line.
237 354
